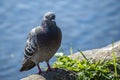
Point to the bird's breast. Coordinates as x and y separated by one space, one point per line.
50 38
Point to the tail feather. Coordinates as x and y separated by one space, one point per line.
27 65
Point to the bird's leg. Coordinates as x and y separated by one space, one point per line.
40 71
49 68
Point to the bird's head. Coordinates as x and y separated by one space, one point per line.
49 16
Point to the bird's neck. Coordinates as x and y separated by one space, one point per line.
48 24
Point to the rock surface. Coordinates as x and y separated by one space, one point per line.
101 53
58 74
95 54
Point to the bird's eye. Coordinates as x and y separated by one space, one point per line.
47 16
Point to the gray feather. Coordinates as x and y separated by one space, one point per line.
27 64
31 44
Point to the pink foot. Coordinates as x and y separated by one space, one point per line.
40 71
49 68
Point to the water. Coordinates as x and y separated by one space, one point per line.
85 24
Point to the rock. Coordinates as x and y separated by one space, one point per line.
58 74
101 53
34 77
95 54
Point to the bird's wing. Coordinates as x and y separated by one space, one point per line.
30 50
31 44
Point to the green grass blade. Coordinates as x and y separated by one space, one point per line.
71 50
84 56
97 63
114 60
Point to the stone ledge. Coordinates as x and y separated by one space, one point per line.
101 53
58 74
95 54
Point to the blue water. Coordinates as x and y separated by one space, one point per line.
85 24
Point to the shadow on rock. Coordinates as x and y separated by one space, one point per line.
58 74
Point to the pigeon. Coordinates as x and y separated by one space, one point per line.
42 43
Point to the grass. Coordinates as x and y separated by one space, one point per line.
114 60
88 70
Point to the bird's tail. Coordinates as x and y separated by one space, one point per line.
27 65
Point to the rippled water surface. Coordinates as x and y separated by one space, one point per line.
85 24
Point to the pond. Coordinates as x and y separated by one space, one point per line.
85 24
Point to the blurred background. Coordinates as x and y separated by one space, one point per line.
85 24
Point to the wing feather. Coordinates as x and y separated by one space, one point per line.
31 44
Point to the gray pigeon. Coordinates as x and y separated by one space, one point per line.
42 43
